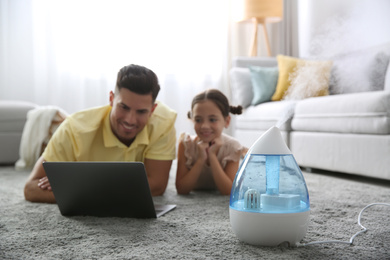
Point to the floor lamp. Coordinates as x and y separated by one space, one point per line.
259 12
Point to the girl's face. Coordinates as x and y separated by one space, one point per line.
208 120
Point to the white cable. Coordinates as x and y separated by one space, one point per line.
350 242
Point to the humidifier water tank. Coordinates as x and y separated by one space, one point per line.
269 201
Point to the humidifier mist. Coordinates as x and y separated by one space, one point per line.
269 201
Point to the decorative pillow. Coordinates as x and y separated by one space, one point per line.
377 74
303 74
360 71
264 81
387 78
241 86
309 79
286 66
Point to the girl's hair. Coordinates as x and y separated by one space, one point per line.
219 99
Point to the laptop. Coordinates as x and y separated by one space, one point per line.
103 189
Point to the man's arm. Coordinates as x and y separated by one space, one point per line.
37 188
158 175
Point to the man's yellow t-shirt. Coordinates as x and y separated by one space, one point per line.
87 136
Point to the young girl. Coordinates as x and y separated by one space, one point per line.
210 159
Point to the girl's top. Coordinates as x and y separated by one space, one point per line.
231 150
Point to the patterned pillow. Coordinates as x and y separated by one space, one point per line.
309 79
299 78
286 66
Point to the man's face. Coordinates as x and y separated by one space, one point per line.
130 113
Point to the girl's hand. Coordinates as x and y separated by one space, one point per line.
202 149
215 145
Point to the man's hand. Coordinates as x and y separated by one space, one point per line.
44 184
37 188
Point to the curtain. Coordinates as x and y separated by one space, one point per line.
67 53
288 37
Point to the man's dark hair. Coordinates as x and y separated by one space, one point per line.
138 79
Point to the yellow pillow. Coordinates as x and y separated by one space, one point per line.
286 66
309 78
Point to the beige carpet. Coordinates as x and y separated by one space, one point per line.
198 228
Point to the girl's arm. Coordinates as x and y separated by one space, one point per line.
186 179
223 178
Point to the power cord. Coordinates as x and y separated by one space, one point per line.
350 242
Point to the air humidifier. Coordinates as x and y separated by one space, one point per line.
269 201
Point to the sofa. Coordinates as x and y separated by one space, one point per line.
346 128
13 116
25 130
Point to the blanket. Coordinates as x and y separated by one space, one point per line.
40 126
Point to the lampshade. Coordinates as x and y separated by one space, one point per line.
258 12
271 10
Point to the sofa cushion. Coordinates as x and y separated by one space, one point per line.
266 115
241 86
264 81
358 113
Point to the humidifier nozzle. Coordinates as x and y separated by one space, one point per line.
271 142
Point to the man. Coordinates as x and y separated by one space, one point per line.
133 127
